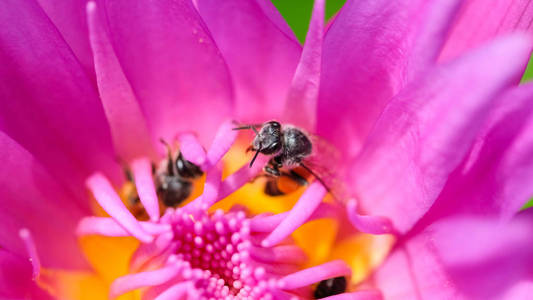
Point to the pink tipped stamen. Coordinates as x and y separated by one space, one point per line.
298 215
27 239
368 224
191 149
309 276
110 201
142 174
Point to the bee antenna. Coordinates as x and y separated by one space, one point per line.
255 156
316 176
246 127
169 151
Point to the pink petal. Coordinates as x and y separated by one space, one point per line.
173 66
479 22
370 52
301 105
49 100
31 198
70 19
461 258
15 279
495 179
260 51
426 131
128 126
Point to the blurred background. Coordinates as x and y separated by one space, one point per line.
298 12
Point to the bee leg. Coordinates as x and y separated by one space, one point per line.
272 189
272 170
316 176
296 177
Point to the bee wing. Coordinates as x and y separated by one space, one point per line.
324 161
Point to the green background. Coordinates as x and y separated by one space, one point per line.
298 12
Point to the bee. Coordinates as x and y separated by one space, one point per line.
173 181
288 146
330 287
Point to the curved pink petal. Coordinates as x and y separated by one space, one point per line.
428 129
260 51
70 19
49 104
31 198
479 21
128 126
495 179
301 106
370 52
460 258
173 66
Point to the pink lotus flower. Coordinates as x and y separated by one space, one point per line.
435 137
